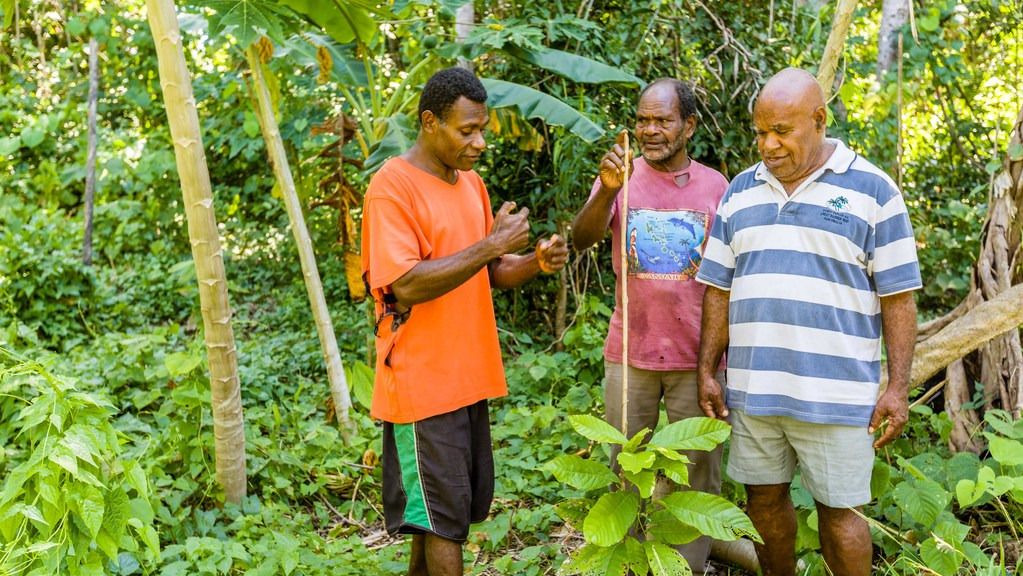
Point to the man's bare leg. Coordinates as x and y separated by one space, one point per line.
845 541
443 556
773 515
417 557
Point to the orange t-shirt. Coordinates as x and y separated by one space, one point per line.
446 355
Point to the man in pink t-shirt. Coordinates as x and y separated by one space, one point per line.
672 201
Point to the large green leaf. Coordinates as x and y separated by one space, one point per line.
595 429
665 560
922 499
343 21
247 20
940 556
692 434
710 514
399 137
360 379
610 518
7 7
617 560
535 104
579 473
666 528
573 66
1006 451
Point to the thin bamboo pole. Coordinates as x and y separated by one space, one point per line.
623 218
836 43
90 159
314 287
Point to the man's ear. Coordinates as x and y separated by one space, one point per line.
428 121
690 126
820 118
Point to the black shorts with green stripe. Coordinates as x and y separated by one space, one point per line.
439 473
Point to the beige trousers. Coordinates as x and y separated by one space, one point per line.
678 390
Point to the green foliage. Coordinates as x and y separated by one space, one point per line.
70 504
608 520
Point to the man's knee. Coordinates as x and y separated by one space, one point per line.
768 496
841 521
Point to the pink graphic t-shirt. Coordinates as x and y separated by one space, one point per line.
668 225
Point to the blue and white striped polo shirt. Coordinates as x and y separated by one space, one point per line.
805 274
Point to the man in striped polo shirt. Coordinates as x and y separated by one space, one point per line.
811 260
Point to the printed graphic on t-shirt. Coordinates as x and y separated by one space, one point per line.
666 244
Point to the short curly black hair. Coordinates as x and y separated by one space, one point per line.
683 91
447 86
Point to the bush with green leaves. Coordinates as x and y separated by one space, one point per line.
69 503
611 521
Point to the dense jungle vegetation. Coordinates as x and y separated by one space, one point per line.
107 438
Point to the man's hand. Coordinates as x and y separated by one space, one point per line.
895 408
612 166
552 254
510 232
710 398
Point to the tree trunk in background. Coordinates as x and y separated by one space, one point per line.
228 424
310 273
997 270
836 44
894 14
465 18
989 316
90 161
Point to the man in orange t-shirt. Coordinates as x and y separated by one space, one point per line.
431 251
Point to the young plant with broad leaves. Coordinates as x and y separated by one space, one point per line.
613 520
69 504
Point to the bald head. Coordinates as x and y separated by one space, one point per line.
792 86
790 119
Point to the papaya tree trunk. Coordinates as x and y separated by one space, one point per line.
314 287
228 424
90 160
835 46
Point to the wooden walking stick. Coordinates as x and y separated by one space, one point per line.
623 217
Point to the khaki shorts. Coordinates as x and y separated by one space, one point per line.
835 461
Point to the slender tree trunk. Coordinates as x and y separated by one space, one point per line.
965 423
465 18
90 162
894 14
310 273
836 44
228 424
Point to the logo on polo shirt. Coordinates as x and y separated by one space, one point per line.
836 210
838 203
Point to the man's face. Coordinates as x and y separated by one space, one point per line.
789 137
661 132
457 139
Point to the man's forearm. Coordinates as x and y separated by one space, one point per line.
513 270
590 224
430 279
713 331
898 322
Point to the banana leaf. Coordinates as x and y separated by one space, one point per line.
535 104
